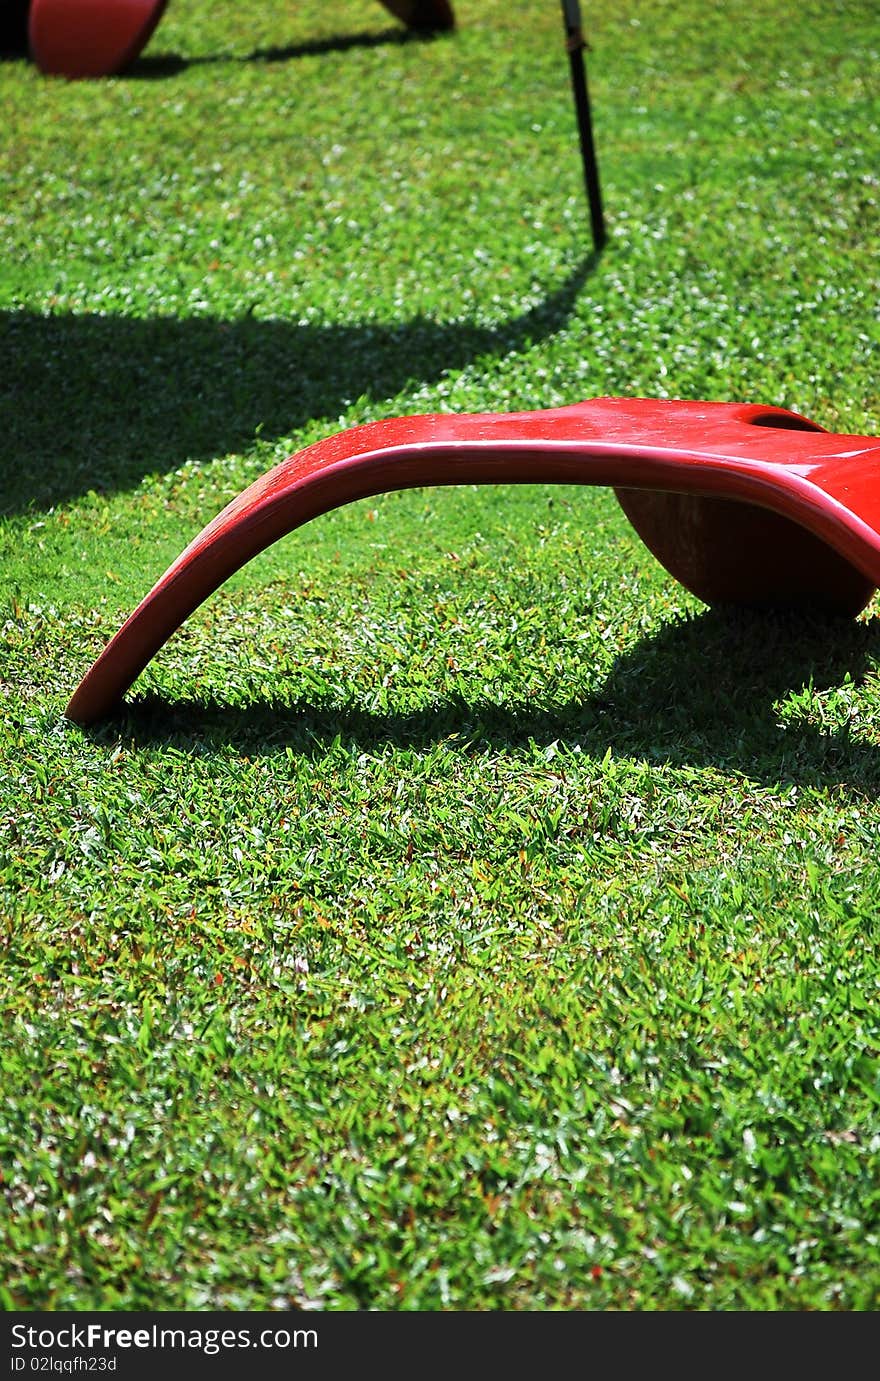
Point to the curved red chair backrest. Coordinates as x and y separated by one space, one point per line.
90 38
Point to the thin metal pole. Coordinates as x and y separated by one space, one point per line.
575 44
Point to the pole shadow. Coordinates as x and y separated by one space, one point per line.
91 402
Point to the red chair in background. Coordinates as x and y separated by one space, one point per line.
90 38
99 38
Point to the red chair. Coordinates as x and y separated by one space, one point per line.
90 38
741 503
99 38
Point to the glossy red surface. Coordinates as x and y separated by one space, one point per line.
90 38
741 503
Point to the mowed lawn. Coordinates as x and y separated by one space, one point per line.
458 915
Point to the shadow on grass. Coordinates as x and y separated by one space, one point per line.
151 66
155 66
703 691
97 402
14 29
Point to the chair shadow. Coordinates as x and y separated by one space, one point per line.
159 65
14 29
151 66
729 669
86 404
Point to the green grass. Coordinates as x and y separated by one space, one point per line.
458 915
